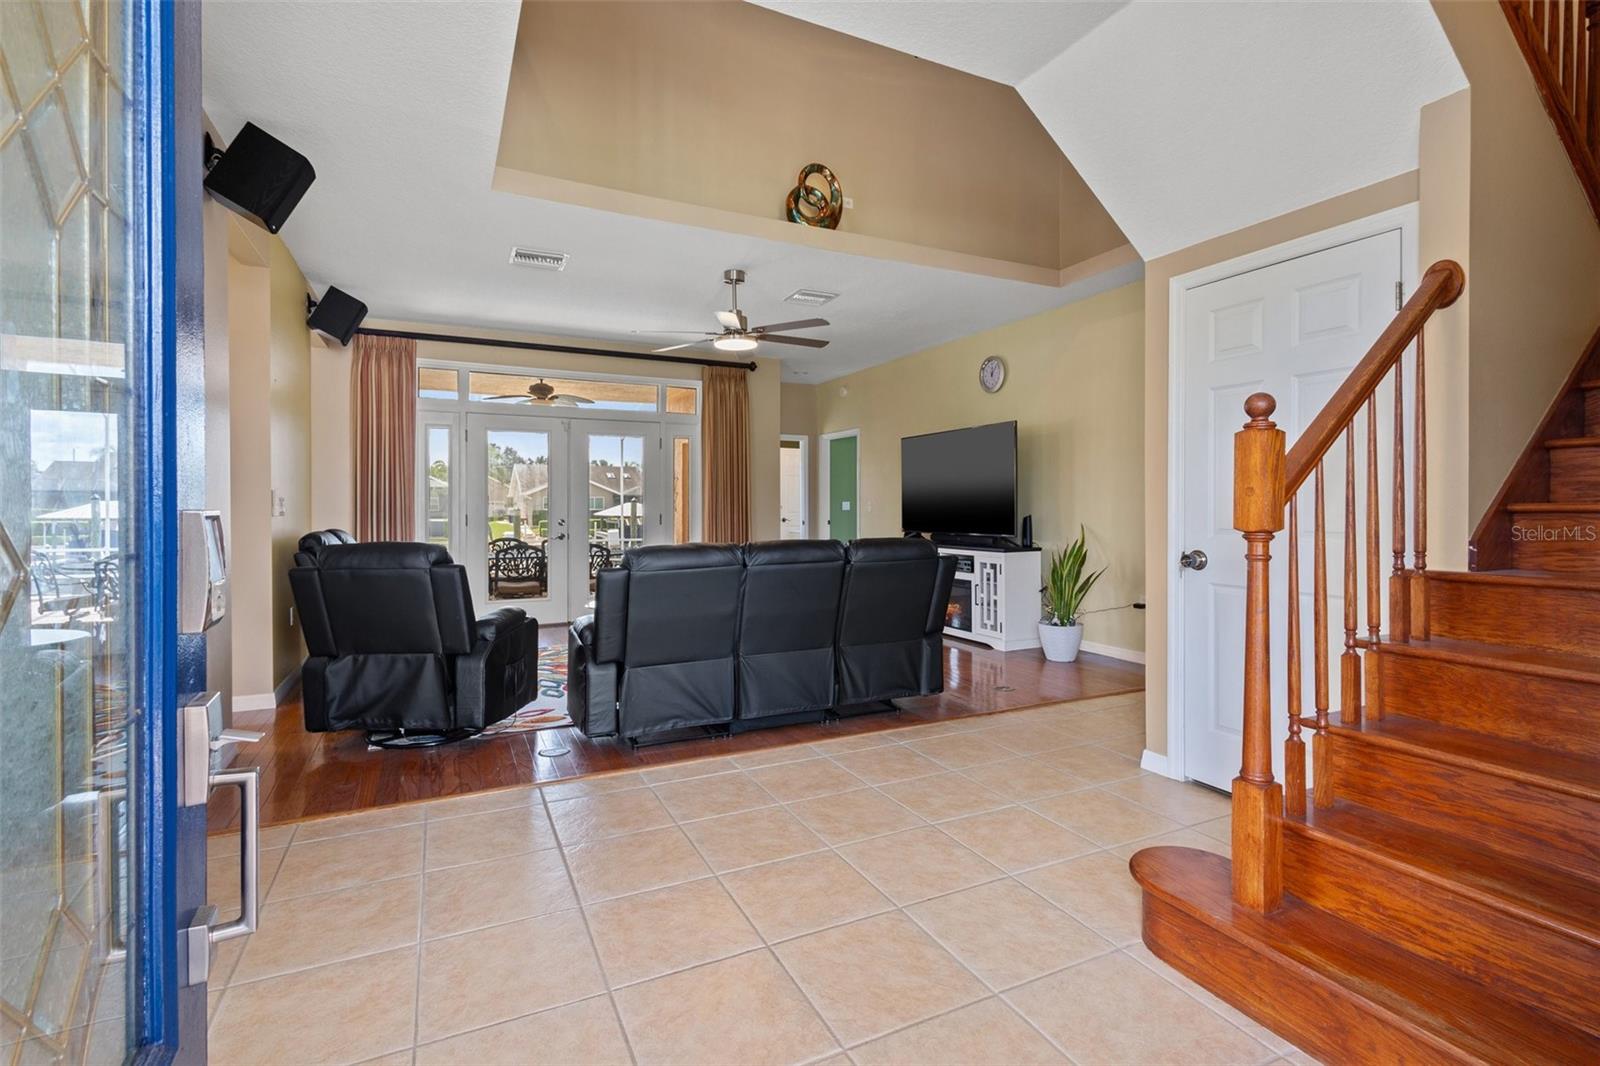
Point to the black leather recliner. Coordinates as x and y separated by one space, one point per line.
788 626
891 620
394 647
764 634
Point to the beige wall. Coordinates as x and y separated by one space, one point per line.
216 221
331 474
1535 249
268 456
719 105
290 445
1073 384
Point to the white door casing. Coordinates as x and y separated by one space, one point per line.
1291 322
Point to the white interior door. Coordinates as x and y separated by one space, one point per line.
1293 329
620 497
516 539
792 489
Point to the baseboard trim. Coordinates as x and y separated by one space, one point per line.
267 701
286 686
1155 763
1127 655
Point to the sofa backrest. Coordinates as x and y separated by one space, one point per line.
891 618
787 626
387 598
681 625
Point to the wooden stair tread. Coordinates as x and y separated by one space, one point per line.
1573 442
1410 991
1568 665
1554 507
1591 383
1527 578
1573 775
1560 901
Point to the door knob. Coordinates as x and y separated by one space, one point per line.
1193 560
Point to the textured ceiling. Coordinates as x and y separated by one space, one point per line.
398 106
1190 120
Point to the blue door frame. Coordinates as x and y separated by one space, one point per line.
167 245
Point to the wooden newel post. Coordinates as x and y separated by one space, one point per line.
1258 502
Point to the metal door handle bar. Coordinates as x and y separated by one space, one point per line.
248 781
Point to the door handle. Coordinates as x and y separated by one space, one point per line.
248 781
1193 560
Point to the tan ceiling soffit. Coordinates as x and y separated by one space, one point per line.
561 190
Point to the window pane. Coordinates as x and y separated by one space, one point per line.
437 515
682 491
616 499
435 383
519 514
681 400
534 391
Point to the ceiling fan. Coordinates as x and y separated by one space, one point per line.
737 334
542 392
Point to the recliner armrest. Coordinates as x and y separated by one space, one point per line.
583 631
491 626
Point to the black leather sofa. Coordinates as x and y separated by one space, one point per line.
394 647
768 633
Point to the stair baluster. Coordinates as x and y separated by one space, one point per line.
1294 749
1399 585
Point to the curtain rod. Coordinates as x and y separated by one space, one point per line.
536 346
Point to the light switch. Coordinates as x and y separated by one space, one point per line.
844 505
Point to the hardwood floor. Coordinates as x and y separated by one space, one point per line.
305 775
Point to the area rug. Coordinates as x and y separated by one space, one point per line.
549 707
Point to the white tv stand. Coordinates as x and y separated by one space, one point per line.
995 597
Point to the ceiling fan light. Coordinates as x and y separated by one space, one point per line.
734 344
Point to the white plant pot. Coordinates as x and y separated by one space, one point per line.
1060 643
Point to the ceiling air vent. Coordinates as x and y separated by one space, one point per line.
814 297
532 257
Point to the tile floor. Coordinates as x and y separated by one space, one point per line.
949 893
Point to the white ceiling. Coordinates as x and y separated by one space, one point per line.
398 107
1190 120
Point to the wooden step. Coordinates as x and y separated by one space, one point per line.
1574 468
1332 988
1519 694
1531 931
1521 800
1533 609
1557 535
1591 405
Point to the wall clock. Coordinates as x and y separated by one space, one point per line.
992 373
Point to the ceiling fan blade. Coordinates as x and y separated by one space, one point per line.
675 347
804 323
804 342
733 319
677 332
509 396
571 400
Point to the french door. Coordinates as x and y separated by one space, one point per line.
100 385
547 502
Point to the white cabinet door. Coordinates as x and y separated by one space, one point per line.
1293 329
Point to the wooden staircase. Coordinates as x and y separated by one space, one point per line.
1434 895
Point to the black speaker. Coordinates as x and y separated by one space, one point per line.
337 315
1027 531
260 177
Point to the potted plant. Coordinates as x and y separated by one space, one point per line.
1061 629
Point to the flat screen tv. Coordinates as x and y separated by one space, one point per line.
961 481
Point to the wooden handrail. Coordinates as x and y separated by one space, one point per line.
1560 39
1266 479
1440 287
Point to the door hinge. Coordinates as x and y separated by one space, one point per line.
1399 295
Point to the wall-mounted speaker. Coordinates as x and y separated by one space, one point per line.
260 177
337 315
